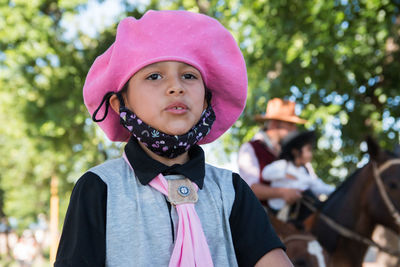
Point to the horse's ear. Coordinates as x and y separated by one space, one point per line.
374 150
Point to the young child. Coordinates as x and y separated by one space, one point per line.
291 171
170 81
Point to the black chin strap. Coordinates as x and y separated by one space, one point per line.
106 100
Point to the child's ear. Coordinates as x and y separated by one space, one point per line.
114 103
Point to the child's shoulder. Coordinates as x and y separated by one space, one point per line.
281 163
109 168
218 175
111 163
211 169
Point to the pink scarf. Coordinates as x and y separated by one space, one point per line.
191 248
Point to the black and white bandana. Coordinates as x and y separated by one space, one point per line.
163 144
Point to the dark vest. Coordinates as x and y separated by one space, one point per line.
264 156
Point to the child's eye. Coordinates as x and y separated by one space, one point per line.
154 76
189 76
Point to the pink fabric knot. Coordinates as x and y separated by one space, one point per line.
191 248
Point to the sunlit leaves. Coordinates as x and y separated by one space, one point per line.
43 125
342 56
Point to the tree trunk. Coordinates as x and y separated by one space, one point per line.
54 202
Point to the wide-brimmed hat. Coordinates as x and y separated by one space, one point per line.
282 110
296 140
191 38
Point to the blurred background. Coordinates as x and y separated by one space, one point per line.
339 60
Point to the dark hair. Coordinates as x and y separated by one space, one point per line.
295 141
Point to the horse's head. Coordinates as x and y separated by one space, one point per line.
384 166
302 248
347 219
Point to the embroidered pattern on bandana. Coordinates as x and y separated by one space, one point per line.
163 144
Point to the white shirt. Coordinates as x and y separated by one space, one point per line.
249 168
276 173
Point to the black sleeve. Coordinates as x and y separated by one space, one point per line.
252 233
83 239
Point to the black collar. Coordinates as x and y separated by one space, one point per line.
147 168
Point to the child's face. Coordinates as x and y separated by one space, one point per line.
168 95
306 154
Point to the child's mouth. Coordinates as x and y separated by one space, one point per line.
177 108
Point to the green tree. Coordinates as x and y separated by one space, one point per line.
338 59
45 132
45 129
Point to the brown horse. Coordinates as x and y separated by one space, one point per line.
368 197
302 248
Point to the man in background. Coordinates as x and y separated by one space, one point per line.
279 120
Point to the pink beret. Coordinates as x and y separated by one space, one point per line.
192 38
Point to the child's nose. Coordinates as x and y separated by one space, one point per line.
175 88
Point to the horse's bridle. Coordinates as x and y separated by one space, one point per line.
377 176
344 231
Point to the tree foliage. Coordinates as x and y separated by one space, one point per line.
44 124
338 59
